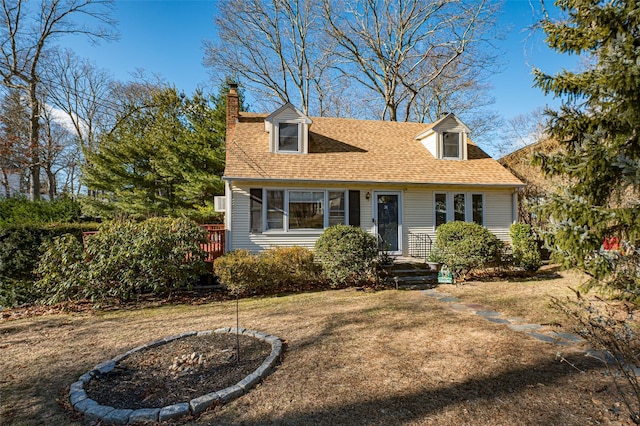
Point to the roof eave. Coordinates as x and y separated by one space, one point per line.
371 182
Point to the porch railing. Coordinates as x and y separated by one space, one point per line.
213 248
419 245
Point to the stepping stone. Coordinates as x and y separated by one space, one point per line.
488 314
543 337
568 336
497 320
476 306
516 319
449 299
459 307
525 327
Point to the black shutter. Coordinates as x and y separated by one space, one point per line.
255 210
354 208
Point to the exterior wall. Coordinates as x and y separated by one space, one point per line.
498 213
417 215
240 238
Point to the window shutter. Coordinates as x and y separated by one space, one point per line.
255 210
354 208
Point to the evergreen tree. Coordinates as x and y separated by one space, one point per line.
597 128
165 157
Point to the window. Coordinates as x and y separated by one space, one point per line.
441 209
459 206
288 137
306 210
275 210
336 208
478 206
286 210
451 145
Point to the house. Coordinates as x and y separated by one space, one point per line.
538 186
289 176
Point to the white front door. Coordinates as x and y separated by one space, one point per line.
387 216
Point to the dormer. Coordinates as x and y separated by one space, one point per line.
446 139
288 130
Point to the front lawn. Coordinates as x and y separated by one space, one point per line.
352 357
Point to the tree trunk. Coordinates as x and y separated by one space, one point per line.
5 183
51 177
34 142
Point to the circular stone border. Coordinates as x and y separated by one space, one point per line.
117 416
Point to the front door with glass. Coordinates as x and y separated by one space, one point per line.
387 218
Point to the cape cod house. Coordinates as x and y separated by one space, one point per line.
289 176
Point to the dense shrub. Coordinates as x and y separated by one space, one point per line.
21 211
124 259
525 251
274 270
347 254
19 255
464 246
62 270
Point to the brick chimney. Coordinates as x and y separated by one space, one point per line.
233 109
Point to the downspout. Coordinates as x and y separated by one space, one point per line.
227 215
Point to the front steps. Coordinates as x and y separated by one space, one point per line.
410 274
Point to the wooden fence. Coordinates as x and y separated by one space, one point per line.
214 247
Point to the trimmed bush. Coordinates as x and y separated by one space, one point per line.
157 255
124 259
464 246
240 271
274 270
526 253
21 211
347 254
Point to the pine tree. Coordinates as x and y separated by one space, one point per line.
597 128
165 157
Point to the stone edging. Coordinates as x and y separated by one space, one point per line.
116 416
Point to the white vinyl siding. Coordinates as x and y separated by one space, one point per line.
498 212
417 215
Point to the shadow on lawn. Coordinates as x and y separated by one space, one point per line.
419 406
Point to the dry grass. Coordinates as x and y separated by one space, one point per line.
527 298
385 358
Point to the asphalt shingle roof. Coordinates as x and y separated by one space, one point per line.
347 150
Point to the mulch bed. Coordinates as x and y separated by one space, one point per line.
178 371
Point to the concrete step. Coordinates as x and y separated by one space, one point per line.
404 272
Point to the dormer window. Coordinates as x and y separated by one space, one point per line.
288 137
446 139
288 130
451 145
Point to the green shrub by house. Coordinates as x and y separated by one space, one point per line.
347 254
125 259
465 246
526 253
274 270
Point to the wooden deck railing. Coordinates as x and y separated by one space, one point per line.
214 247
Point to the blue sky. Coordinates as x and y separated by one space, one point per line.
165 38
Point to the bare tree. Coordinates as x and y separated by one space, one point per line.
56 144
26 34
278 48
14 136
398 49
83 92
